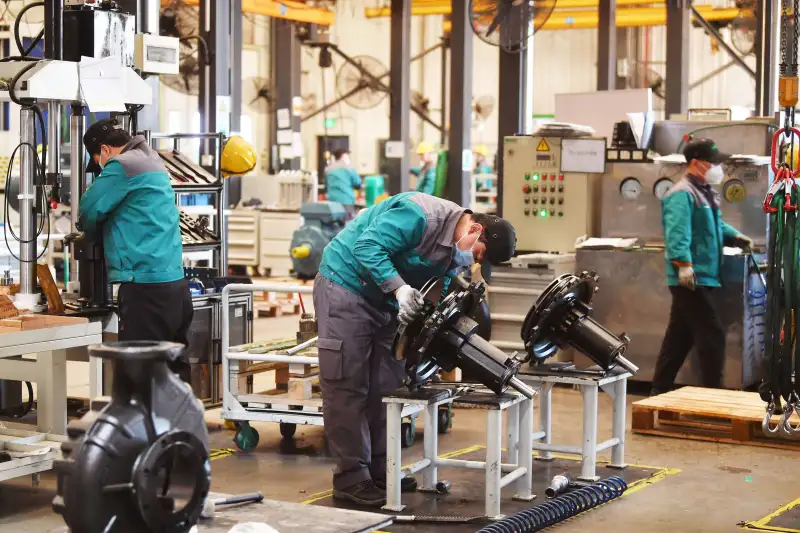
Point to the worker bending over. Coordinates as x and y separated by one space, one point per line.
340 181
131 205
369 271
426 172
694 235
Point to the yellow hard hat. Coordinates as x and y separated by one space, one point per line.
425 147
792 156
238 157
482 149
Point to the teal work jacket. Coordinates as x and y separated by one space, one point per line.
131 204
426 178
405 239
694 232
340 180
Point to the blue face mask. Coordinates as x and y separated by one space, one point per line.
464 258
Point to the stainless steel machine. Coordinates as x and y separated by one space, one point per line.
631 207
551 191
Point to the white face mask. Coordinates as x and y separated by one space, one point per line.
715 175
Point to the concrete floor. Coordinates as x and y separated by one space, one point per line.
718 485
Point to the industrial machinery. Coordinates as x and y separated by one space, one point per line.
445 335
551 189
141 464
322 221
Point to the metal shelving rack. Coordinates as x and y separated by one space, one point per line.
216 187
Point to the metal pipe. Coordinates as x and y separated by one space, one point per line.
273 358
27 203
719 70
512 476
302 346
728 48
53 138
517 384
473 465
77 182
627 365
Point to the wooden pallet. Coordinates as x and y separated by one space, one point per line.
273 309
695 413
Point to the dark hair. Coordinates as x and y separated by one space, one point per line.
117 138
338 154
483 219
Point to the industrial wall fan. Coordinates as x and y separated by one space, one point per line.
482 108
358 89
507 23
183 22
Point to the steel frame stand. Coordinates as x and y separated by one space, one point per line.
615 384
519 453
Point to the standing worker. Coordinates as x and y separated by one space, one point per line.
426 172
374 267
340 181
131 205
694 234
482 160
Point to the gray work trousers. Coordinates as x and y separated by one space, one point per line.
356 367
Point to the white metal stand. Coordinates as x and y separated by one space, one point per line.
519 455
615 384
49 370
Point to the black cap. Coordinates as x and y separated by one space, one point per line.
94 137
704 150
501 240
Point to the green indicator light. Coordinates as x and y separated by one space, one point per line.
536 177
527 176
543 213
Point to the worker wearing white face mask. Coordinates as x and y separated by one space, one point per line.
694 235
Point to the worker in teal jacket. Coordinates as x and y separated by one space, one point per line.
694 235
340 181
426 173
369 279
130 205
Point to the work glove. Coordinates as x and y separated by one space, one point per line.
744 242
69 237
410 302
686 277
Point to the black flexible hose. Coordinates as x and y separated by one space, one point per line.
560 508
17 22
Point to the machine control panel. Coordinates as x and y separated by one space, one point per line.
539 195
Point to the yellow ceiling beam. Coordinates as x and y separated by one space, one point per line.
443 7
286 9
652 16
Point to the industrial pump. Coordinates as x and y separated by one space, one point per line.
322 221
141 464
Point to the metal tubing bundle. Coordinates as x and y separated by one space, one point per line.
561 508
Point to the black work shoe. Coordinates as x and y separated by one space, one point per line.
407 484
364 493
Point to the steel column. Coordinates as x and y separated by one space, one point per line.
286 72
511 108
77 180
445 47
147 15
607 46
677 78
236 65
400 97
767 35
147 21
27 204
215 81
460 145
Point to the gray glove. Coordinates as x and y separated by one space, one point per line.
686 277
410 302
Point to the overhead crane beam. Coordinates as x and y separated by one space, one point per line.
285 9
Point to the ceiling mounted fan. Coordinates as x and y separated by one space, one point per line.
509 24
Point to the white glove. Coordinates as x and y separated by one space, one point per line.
745 242
410 302
686 277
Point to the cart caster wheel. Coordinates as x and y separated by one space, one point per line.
230 424
445 420
287 430
246 438
409 434
443 487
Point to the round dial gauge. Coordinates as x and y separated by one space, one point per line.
734 191
630 188
662 187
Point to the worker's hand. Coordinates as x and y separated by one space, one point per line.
68 238
686 277
410 302
744 242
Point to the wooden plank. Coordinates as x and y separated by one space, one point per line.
642 419
54 302
697 401
300 388
7 307
765 443
279 398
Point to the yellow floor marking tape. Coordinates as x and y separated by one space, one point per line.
763 523
220 453
327 493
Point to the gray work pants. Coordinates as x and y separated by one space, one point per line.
356 367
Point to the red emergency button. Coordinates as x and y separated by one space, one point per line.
526 189
561 177
552 177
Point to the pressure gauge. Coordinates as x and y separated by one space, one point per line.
630 188
734 191
662 187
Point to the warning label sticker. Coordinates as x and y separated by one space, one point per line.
543 146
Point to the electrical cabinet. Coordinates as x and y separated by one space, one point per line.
551 192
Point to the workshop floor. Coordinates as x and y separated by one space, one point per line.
709 487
